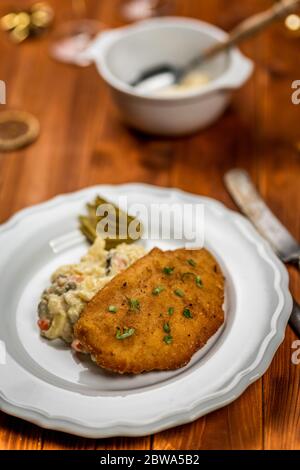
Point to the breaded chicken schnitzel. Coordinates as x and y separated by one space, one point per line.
155 315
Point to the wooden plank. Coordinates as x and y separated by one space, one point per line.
71 103
200 164
279 172
53 440
18 435
83 142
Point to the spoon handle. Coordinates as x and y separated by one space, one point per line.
252 25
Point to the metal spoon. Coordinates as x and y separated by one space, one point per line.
164 75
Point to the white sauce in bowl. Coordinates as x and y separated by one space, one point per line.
193 81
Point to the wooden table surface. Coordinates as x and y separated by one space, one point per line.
83 143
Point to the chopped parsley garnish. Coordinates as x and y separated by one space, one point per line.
187 275
171 311
158 290
187 313
168 339
168 271
179 293
192 262
134 304
112 309
198 279
167 328
127 332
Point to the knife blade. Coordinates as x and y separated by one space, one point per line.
245 195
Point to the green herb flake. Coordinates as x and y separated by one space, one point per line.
112 309
187 313
127 332
199 281
192 263
179 293
168 339
168 271
187 275
134 304
171 311
158 290
167 328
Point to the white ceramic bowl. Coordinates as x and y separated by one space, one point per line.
121 54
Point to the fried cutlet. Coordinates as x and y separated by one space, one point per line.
155 315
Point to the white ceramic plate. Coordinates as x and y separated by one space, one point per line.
46 384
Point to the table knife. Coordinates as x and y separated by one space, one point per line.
245 195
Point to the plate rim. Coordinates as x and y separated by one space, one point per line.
276 333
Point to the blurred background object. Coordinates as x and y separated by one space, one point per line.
21 24
74 36
134 10
292 23
17 129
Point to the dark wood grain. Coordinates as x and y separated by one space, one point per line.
83 143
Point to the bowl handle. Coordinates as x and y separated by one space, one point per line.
98 46
238 74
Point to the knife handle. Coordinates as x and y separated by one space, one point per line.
295 318
293 259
